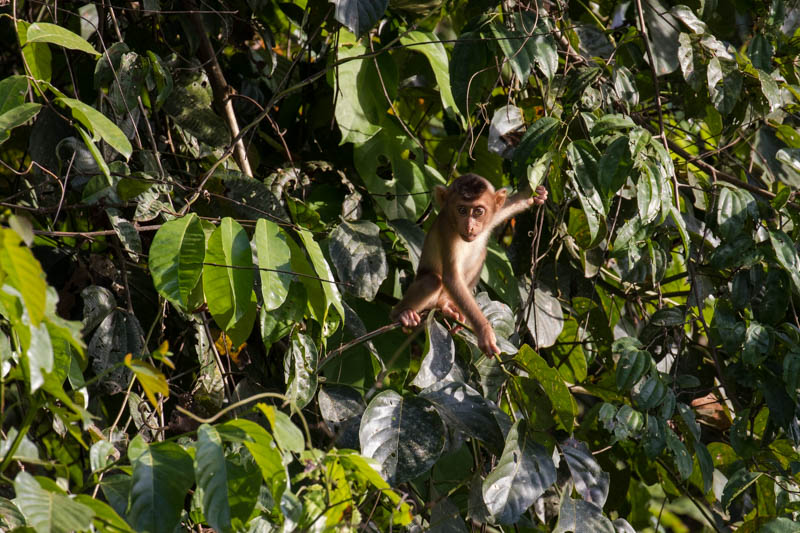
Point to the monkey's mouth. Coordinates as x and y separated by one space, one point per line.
469 238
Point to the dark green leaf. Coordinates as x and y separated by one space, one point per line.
44 32
212 477
359 15
552 383
390 433
357 253
523 473
590 480
580 515
464 409
49 511
274 258
162 476
737 484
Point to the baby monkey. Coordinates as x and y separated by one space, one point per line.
454 251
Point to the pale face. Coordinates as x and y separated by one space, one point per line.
470 219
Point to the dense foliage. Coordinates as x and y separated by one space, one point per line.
210 208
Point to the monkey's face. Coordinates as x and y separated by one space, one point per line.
470 220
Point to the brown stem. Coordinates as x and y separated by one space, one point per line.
222 91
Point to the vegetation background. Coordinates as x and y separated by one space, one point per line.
210 207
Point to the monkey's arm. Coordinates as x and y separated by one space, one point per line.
457 289
422 294
518 203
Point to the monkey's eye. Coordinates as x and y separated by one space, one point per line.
462 210
479 211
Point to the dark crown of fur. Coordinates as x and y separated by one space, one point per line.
469 186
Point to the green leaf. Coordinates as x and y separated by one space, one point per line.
439 357
228 274
545 319
683 460
590 480
16 116
262 447
632 365
737 484
471 71
552 383
37 55
614 166
24 273
287 435
99 125
724 84
152 381
390 433
757 344
212 477
464 409
760 52
162 476
706 465
126 233
359 118
791 372
357 253
770 90
523 473
651 393
580 515
176 259
529 41
786 254
428 44
301 370
49 511
43 32
323 270
13 92
105 517
273 253
536 143
359 15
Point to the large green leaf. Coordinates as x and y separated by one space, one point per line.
590 480
471 72
439 360
24 273
44 32
787 257
523 473
464 409
273 254
359 15
737 484
360 102
16 116
552 383
332 295
724 84
262 447
357 253
390 433
580 515
13 91
212 478
162 476
176 259
428 44
536 142
301 369
228 274
99 125
48 511
37 55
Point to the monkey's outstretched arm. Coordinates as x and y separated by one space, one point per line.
518 203
422 294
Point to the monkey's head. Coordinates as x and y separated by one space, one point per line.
469 204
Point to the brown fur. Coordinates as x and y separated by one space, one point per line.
454 252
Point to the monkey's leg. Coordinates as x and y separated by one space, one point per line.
423 294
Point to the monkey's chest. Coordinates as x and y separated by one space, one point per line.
472 263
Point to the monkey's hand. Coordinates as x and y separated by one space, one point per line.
541 195
451 311
487 341
409 318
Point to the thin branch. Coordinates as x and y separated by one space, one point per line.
222 91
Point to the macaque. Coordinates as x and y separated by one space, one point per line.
454 251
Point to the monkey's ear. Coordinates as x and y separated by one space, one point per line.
500 197
440 194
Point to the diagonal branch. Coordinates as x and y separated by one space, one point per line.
222 91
